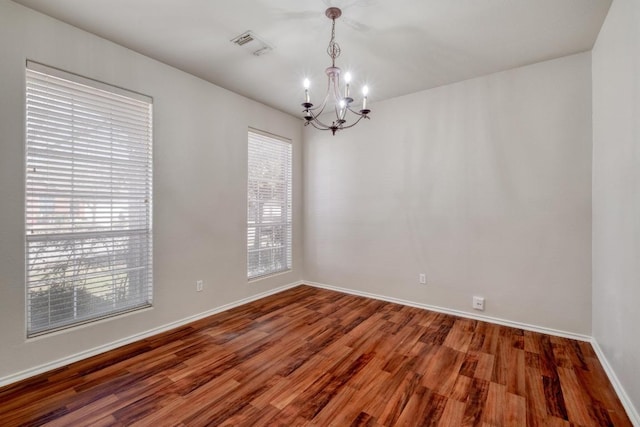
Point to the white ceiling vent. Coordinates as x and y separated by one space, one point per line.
252 43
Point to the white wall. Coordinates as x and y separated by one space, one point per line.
200 140
484 185
616 194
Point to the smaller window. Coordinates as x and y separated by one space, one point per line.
269 224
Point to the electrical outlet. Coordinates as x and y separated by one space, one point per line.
478 303
422 278
199 285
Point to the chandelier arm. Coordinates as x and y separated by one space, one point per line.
314 114
323 127
324 101
319 127
316 121
319 108
336 89
357 113
354 123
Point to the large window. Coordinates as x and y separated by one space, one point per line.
88 200
269 205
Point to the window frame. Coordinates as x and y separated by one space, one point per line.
256 136
127 241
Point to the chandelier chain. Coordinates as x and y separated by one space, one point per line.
333 50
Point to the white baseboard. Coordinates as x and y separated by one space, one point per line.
137 337
503 322
632 412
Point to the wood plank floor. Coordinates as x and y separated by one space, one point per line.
309 356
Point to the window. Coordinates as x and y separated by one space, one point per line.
269 205
88 200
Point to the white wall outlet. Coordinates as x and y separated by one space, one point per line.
422 278
199 285
478 303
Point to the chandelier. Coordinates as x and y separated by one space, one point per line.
336 96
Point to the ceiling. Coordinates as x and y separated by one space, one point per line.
395 46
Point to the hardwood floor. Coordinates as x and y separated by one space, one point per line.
309 356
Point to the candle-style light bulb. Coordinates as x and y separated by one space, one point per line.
347 80
306 84
365 92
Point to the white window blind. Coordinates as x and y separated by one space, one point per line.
269 224
88 200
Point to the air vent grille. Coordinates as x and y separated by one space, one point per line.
243 39
253 43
